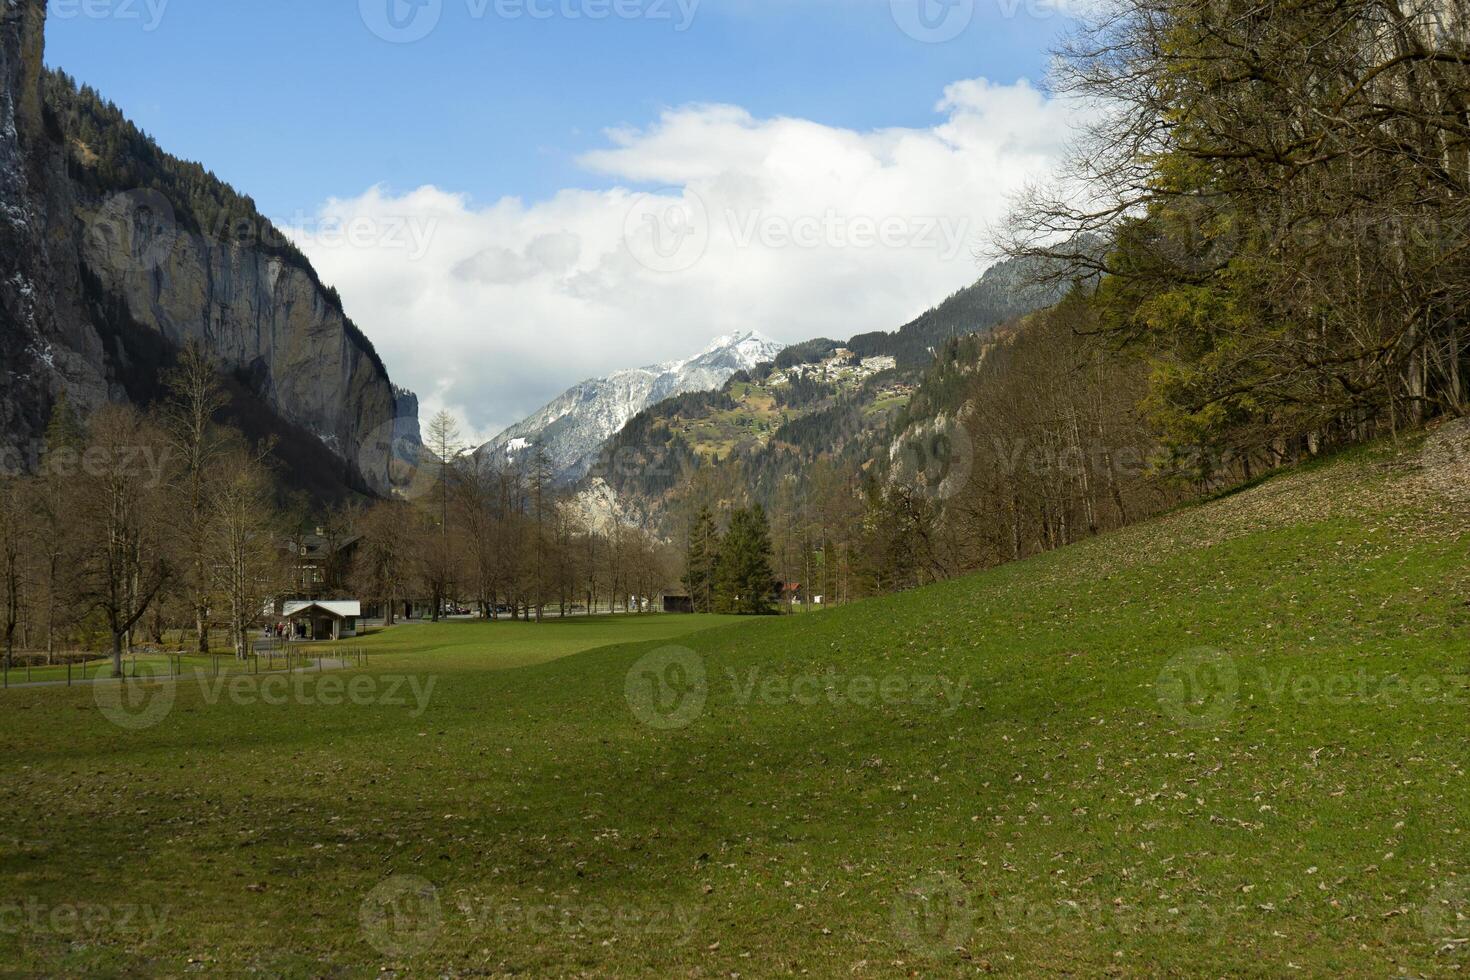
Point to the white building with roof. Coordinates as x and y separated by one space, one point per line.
325 619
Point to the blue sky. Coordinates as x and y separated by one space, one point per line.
296 101
502 168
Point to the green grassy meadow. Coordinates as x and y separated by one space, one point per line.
1232 742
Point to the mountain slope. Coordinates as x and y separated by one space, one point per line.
573 427
821 400
1060 805
1007 290
116 254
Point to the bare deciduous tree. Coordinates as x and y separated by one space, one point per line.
12 532
242 542
195 397
122 516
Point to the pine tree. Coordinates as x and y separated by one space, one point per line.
540 483
702 561
64 430
745 577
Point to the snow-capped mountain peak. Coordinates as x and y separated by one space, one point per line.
748 343
573 427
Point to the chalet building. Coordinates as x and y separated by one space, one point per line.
320 566
320 563
322 620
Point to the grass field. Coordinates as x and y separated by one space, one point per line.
1231 742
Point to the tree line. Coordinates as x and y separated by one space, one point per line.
498 534
166 527
731 572
139 524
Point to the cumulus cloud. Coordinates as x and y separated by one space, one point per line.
718 221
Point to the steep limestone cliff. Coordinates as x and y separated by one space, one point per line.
26 314
109 265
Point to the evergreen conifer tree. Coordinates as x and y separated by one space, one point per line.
745 577
702 561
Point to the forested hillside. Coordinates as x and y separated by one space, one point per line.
1264 257
1287 220
1008 290
823 401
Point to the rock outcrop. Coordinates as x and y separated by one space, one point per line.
26 314
102 283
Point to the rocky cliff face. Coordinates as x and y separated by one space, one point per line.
101 284
25 313
258 314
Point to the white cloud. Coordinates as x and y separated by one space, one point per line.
783 225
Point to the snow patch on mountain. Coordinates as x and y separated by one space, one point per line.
573 427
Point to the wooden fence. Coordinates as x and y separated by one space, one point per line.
85 668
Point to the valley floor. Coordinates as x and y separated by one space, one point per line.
1230 742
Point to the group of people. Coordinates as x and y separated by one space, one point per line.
287 630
